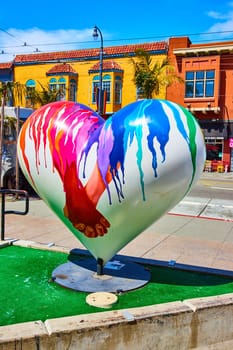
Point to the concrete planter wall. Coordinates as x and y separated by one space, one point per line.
203 323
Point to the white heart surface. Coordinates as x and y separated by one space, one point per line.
110 180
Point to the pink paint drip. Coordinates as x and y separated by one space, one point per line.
66 128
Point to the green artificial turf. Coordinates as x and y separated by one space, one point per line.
28 294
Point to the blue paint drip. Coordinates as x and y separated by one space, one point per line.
129 125
159 127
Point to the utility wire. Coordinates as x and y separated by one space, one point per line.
35 46
115 40
24 43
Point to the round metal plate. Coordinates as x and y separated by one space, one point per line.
117 276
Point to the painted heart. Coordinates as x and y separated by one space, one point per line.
109 180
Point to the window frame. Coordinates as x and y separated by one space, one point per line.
106 86
200 83
117 90
73 90
30 86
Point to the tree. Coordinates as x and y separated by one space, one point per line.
150 78
10 92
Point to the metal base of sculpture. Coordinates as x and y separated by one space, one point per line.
87 276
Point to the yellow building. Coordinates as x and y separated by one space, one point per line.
76 73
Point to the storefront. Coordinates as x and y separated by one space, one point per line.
219 153
214 148
231 153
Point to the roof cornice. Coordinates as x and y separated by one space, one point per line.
204 50
155 48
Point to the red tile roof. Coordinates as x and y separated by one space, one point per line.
62 68
107 65
6 65
88 53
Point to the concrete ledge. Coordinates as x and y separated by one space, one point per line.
148 327
4 244
204 323
212 319
32 244
28 336
193 324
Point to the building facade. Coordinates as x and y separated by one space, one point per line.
206 71
6 72
76 74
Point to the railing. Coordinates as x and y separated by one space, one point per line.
3 193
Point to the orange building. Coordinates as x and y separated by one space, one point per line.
207 73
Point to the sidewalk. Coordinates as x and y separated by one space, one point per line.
175 238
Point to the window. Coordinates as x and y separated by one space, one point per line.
30 92
117 90
214 148
107 87
95 85
106 84
61 87
30 86
139 93
199 84
53 84
73 88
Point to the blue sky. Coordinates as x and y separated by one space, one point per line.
26 27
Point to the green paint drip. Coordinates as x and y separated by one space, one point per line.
191 122
139 159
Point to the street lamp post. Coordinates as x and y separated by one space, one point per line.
100 95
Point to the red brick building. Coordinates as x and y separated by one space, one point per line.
207 91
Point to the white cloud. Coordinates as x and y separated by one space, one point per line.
223 26
224 29
217 15
16 41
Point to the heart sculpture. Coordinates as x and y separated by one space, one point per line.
110 180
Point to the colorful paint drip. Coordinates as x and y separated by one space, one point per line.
109 180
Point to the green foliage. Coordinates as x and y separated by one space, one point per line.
11 91
43 96
148 77
10 126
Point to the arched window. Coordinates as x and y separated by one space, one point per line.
107 87
95 85
73 90
30 85
106 84
117 90
53 84
30 92
61 84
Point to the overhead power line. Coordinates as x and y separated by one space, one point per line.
35 46
24 43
